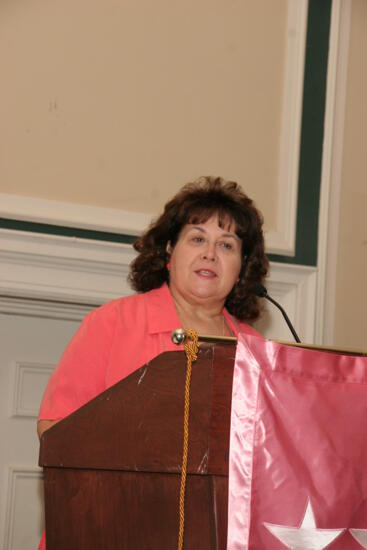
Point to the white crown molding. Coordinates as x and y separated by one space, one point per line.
282 240
332 169
63 278
278 241
62 269
44 307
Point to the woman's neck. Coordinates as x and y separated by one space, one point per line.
205 319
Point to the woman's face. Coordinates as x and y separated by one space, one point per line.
205 262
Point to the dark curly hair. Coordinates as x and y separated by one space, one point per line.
195 203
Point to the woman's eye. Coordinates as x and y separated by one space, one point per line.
198 239
227 246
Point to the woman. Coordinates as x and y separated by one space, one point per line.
195 269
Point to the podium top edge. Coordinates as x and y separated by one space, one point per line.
316 347
334 349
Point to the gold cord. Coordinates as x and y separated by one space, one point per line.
191 349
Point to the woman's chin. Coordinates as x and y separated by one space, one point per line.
201 292
206 293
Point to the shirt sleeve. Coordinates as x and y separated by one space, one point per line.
81 372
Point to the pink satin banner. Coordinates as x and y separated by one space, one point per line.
298 449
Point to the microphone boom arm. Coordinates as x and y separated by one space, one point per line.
286 318
261 292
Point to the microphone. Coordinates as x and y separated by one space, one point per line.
261 291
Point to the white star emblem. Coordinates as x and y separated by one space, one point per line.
306 536
360 535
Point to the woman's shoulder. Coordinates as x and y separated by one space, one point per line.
111 313
114 306
131 307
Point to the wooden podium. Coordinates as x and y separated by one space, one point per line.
112 468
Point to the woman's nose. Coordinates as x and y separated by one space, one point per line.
209 253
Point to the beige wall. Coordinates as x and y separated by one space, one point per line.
118 104
351 294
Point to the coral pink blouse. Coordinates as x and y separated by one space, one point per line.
111 343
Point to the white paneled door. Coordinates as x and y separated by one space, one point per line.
30 347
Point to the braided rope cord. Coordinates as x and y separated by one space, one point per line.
191 349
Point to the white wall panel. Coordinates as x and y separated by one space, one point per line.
30 346
30 381
294 287
24 522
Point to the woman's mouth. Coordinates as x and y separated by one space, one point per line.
206 273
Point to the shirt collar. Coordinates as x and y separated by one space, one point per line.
161 311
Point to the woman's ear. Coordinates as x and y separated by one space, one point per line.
168 251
